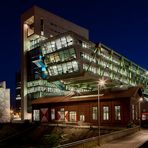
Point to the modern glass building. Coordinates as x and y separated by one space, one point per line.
59 60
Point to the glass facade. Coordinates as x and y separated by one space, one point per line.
64 61
67 55
61 56
57 44
64 68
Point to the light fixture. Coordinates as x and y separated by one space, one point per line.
140 99
26 26
102 82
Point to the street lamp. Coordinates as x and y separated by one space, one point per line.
101 83
140 100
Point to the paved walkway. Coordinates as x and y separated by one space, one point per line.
131 141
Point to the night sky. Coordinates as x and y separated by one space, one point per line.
121 25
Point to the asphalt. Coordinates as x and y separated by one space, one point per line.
131 141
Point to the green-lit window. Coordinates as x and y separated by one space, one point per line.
61 54
66 54
72 53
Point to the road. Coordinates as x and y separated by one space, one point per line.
131 141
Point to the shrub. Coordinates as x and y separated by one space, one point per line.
130 125
51 140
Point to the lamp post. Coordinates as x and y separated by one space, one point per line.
140 100
101 83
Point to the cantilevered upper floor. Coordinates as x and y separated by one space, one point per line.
79 63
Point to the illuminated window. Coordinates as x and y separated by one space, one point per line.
52 59
82 118
55 70
68 67
63 42
133 112
36 115
62 114
105 113
60 70
75 65
136 112
48 48
58 44
61 56
29 25
144 116
64 68
72 116
117 112
57 58
94 113
66 54
53 45
52 114
42 27
69 40
72 53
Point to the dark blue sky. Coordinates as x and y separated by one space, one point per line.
121 25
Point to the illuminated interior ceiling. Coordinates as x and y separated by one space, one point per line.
30 20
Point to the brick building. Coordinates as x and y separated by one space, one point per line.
118 108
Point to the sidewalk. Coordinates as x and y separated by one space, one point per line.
131 141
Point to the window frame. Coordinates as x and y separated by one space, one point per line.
117 114
106 114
